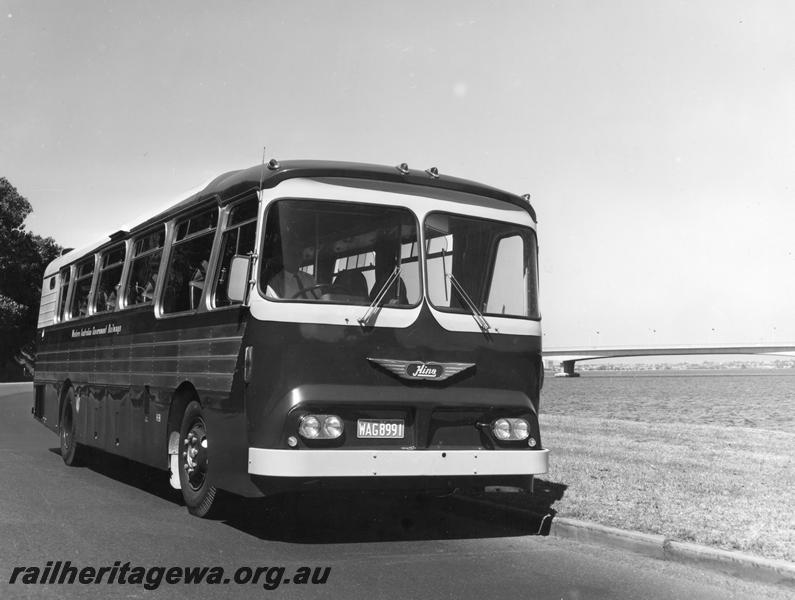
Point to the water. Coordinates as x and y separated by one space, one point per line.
760 398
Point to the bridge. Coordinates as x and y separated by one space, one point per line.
569 356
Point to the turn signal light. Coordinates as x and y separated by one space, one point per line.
508 430
320 427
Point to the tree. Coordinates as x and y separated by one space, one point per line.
23 257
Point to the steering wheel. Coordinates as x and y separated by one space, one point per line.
309 288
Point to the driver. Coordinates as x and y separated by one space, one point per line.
290 282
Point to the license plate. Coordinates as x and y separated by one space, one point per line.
379 428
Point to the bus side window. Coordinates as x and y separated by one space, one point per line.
187 265
82 285
111 265
146 253
238 239
64 277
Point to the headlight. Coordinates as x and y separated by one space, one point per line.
501 429
309 427
520 429
510 429
321 427
332 426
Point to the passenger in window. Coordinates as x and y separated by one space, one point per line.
153 266
196 283
290 282
148 291
144 292
109 298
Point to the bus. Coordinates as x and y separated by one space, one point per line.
304 325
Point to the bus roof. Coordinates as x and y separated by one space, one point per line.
233 184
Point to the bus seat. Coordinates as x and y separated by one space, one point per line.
350 283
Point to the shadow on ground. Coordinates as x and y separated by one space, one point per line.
360 516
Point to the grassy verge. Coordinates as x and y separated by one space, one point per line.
732 488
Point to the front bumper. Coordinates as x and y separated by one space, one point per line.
395 463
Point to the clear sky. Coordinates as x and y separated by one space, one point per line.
656 138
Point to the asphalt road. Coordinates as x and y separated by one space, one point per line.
113 512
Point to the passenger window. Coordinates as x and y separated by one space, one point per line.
111 264
238 240
62 293
187 266
147 251
83 278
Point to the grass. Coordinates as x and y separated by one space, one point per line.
732 488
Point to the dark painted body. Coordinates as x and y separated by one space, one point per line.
128 383
127 380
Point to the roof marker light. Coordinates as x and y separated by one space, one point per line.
273 164
403 168
433 172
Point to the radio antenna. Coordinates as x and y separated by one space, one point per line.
262 170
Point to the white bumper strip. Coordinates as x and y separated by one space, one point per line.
395 463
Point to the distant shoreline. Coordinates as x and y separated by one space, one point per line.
777 366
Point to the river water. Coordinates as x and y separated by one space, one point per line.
759 398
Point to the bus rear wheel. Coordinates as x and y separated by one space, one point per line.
72 452
197 491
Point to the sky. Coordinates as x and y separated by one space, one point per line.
657 139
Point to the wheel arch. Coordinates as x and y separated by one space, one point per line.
65 387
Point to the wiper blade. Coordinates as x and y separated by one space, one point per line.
476 314
364 321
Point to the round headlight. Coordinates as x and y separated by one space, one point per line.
520 430
332 426
501 429
310 427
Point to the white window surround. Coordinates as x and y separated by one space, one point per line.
442 200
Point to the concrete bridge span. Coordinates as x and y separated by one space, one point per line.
569 356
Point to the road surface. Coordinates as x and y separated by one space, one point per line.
125 518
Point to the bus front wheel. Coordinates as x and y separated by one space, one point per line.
197 491
72 453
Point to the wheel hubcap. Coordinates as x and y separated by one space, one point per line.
194 454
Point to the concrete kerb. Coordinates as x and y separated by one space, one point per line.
738 564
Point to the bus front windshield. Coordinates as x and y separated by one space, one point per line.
480 264
340 252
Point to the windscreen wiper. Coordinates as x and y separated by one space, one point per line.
364 321
476 314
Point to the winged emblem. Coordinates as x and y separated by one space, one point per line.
415 369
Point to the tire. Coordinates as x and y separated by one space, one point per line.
72 452
197 491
